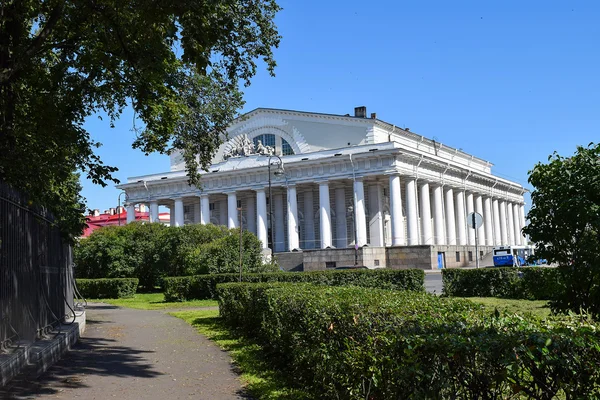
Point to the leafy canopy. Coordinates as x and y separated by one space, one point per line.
179 65
564 222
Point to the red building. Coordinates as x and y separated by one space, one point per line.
117 216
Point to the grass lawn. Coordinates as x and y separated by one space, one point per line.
539 308
261 381
155 301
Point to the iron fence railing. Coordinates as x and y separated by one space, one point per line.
36 284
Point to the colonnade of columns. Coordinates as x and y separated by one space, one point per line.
424 213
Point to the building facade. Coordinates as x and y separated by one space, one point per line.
340 183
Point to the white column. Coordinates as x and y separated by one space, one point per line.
325 215
360 213
427 235
517 217
292 218
309 220
497 234
461 218
376 217
261 217
279 222
522 215
154 211
179 212
511 224
397 222
488 221
412 218
130 213
470 209
341 229
438 216
503 224
232 212
204 209
172 215
222 212
251 214
481 229
450 217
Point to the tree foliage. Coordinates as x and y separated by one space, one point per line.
151 252
564 223
178 64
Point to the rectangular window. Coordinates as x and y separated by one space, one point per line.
377 263
211 206
329 264
480 254
470 256
239 204
458 256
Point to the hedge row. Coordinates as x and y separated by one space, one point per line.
204 286
115 288
357 343
531 283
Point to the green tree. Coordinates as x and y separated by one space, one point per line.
564 224
179 64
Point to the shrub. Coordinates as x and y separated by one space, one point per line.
357 343
204 286
532 283
116 288
223 255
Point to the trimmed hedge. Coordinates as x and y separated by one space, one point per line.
357 343
115 288
531 283
205 286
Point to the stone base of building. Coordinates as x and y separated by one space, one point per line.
397 257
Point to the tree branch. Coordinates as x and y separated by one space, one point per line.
8 74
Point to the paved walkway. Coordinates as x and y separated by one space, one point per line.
132 355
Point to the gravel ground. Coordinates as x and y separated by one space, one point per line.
135 354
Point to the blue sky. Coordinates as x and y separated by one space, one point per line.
507 81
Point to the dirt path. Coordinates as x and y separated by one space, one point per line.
135 354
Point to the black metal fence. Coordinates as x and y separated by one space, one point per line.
36 285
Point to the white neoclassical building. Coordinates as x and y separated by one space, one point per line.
340 183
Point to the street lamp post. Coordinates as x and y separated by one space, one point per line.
241 231
119 206
278 172
350 213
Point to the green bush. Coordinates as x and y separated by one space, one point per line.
115 288
151 252
204 286
532 283
357 343
223 255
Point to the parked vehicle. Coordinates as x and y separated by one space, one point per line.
512 256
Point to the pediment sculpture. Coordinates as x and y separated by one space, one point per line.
243 146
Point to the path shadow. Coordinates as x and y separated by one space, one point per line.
91 356
98 306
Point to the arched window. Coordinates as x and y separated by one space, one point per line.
266 140
281 146
286 149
